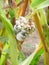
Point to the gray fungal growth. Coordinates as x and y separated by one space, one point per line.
23 28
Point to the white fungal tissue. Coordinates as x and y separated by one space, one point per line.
23 28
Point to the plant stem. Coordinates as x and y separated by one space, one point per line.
45 45
46 58
40 30
44 25
23 9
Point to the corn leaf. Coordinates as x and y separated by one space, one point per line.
35 3
4 55
43 5
12 40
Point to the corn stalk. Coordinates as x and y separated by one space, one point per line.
42 32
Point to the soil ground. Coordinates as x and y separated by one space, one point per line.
30 44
